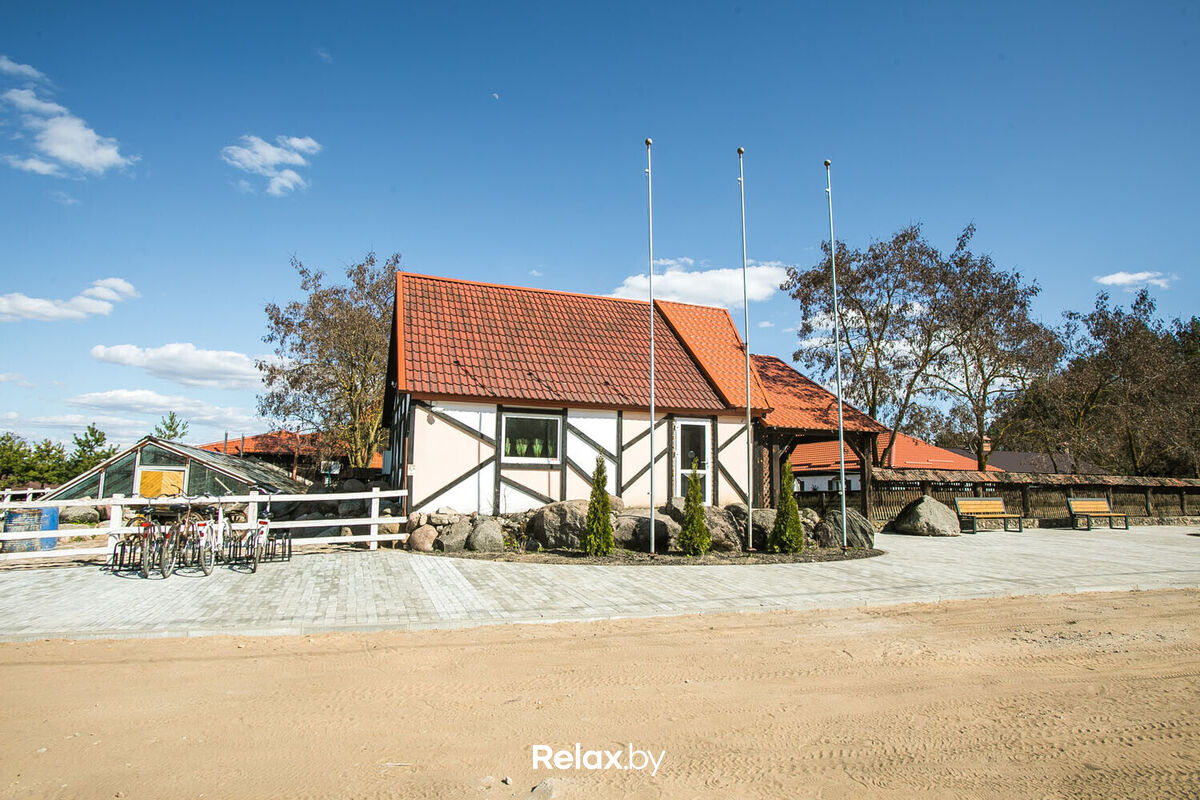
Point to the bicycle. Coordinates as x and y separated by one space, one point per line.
211 531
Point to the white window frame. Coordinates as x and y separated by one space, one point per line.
556 461
682 471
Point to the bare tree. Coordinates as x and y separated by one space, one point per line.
331 358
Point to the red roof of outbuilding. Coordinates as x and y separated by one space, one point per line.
909 453
710 336
482 341
801 404
274 443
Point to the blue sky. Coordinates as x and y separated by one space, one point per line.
160 164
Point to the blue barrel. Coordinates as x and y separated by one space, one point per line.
21 521
49 523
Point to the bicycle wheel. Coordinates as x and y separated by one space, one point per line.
147 554
170 551
255 551
207 555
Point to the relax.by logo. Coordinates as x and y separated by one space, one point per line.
547 757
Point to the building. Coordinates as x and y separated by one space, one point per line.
501 399
297 453
816 465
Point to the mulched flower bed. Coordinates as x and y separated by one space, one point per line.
634 558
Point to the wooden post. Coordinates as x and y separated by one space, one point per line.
927 488
1182 503
865 478
775 477
375 515
1026 501
1149 503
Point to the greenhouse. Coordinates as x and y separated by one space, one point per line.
154 467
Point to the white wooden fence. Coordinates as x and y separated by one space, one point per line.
253 502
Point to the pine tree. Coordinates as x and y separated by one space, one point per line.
597 539
694 539
171 428
90 449
788 534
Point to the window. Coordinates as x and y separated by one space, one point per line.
118 478
532 439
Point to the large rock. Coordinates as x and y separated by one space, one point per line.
674 509
350 509
559 525
632 531
764 521
487 537
323 506
859 532
721 530
352 485
421 540
809 519
453 538
927 517
79 515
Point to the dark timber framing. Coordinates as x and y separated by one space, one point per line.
469 473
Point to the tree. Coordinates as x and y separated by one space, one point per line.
331 354
14 459
787 536
694 538
597 539
171 428
90 449
998 349
47 464
892 303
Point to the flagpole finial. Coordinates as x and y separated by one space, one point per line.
649 142
827 163
741 150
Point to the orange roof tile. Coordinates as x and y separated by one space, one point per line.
272 442
801 404
479 340
909 453
710 336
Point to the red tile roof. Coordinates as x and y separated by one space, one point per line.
801 404
710 336
481 341
909 453
274 443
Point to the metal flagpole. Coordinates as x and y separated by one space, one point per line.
837 349
746 326
650 222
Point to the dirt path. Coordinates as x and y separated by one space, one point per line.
1070 696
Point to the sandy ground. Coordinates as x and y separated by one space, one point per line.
1069 696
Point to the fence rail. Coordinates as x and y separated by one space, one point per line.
251 503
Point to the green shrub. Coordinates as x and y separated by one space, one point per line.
788 534
694 539
597 539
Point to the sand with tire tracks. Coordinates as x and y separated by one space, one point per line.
1069 696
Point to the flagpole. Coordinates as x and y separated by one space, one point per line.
837 349
746 327
650 224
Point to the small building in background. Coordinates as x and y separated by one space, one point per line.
295 453
815 465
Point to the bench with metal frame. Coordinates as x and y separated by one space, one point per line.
973 509
1087 507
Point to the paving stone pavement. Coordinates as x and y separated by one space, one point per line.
395 590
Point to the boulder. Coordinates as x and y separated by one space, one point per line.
764 521
559 525
632 531
927 517
859 532
486 537
79 515
448 512
453 538
323 506
421 540
674 509
352 485
440 519
349 509
721 530
616 504
809 519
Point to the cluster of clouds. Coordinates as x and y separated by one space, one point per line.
185 364
60 143
1136 280
682 282
275 162
98 298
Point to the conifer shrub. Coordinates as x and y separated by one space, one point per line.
597 538
694 539
788 534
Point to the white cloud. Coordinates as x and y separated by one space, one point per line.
63 198
119 430
763 324
323 54
1132 280
274 161
61 137
16 379
33 164
710 287
537 273
96 299
186 364
154 404
10 67
496 96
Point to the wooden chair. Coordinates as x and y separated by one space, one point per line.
973 509
1087 507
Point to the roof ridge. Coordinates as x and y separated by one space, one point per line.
444 279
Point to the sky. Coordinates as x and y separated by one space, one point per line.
162 163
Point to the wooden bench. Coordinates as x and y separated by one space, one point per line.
1087 507
973 509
